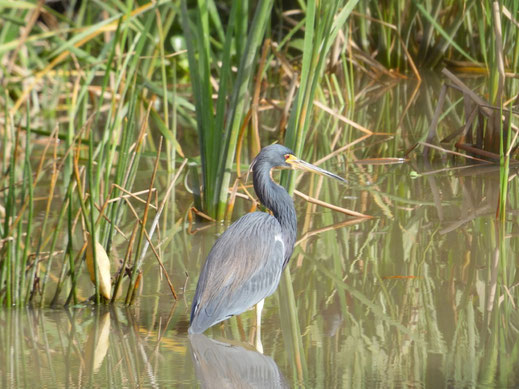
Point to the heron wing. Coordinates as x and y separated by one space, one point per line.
243 267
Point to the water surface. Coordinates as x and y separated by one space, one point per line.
417 296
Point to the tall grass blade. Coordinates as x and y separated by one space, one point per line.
218 132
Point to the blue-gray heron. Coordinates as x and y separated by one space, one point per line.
245 264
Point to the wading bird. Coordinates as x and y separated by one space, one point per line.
245 264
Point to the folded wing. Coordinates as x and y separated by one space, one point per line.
243 267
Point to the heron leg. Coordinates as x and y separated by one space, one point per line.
259 309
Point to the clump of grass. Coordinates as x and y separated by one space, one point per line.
86 97
88 92
432 34
219 124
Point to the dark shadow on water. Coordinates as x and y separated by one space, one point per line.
222 365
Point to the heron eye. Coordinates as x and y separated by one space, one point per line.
287 156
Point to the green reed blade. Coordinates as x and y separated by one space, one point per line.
238 102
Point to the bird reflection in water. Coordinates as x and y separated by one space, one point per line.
222 365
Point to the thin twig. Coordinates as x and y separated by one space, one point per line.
132 195
342 118
331 206
309 234
451 152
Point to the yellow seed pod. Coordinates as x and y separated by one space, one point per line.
103 265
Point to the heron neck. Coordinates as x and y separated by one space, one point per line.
283 210
281 204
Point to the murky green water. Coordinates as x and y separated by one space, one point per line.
418 296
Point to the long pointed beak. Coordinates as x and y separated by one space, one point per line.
297 163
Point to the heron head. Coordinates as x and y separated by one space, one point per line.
281 157
296 163
273 156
